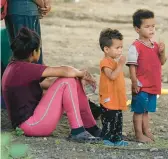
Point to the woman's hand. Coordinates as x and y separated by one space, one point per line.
88 80
92 84
87 76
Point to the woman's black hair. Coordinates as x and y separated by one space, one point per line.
25 43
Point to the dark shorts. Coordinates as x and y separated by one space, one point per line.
15 22
143 102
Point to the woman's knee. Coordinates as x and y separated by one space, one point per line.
68 80
79 84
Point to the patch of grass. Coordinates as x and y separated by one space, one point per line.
57 142
19 132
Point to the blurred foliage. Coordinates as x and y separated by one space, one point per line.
11 150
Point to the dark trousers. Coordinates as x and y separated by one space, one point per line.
15 22
112 121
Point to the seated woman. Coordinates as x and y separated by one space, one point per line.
37 115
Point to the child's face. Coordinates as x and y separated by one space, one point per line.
147 28
115 50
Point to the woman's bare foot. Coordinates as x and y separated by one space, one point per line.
143 139
149 135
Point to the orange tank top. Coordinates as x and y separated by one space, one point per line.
112 93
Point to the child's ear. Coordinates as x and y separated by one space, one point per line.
136 29
105 49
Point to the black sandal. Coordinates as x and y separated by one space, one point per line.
84 137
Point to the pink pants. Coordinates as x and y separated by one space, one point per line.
66 94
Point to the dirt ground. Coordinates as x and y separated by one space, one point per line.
70 37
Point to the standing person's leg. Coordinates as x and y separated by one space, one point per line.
118 126
151 107
15 22
85 111
112 128
118 139
108 122
137 121
9 22
138 106
145 126
105 134
37 29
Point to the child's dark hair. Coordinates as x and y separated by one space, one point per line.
141 14
24 44
107 35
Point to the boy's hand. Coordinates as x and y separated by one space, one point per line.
122 60
162 55
161 48
135 87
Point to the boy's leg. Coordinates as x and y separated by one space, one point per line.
117 138
109 120
118 126
145 126
105 134
151 107
139 105
137 121
112 128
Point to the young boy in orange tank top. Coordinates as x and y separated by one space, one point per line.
112 93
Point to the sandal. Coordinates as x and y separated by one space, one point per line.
121 143
85 137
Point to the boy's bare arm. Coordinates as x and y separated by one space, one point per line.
162 58
132 69
40 3
113 74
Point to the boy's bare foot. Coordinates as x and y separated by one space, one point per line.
149 135
143 139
